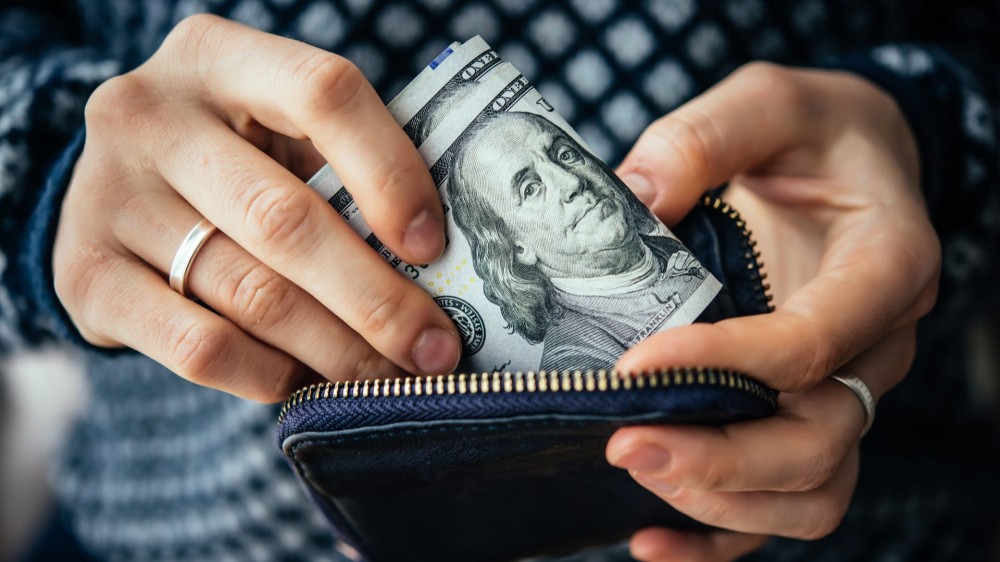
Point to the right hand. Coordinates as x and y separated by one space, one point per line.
221 123
825 167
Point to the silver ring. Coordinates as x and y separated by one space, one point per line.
860 389
186 253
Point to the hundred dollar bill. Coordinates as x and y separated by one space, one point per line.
551 262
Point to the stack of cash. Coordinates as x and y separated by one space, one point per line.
550 263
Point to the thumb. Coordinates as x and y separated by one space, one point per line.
756 113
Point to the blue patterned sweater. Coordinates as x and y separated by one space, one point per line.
160 469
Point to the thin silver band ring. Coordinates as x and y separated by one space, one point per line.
860 389
193 242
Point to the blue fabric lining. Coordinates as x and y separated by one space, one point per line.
40 236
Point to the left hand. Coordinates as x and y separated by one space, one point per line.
824 168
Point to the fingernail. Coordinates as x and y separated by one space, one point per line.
436 352
641 187
656 485
424 238
645 458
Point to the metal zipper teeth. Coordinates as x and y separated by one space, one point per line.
529 382
749 247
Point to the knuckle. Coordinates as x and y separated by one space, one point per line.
818 470
377 318
277 217
118 100
766 80
196 350
827 514
261 298
686 136
197 42
328 83
774 86
192 32
195 25
761 73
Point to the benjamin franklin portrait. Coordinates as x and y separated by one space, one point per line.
571 258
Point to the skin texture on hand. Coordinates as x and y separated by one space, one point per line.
824 169
223 122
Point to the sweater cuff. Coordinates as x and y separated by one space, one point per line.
36 250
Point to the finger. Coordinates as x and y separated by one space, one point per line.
853 299
250 294
267 211
807 515
669 545
800 448
755 113
305 92
797 449
852 302
132 305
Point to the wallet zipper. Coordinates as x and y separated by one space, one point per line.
521 382
561 381
749 247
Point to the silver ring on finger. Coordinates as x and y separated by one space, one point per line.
193 242
860 389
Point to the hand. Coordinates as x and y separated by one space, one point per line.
824 169
222 123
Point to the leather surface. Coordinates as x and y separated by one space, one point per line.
481 490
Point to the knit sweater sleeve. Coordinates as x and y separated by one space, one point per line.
47 72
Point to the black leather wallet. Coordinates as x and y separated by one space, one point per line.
501 466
